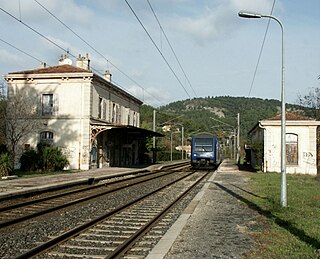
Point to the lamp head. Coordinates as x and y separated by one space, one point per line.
245 14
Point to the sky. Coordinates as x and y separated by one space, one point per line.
217 50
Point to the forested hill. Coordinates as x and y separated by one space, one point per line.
216 114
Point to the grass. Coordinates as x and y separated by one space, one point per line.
291 232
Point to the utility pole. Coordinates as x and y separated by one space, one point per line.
154 153
182 140
238 140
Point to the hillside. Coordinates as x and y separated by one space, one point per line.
216 114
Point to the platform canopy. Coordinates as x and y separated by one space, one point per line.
140 133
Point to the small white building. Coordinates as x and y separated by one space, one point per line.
301 144
92 120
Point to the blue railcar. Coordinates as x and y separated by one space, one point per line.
204 150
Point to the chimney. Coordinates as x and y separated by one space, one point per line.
43 65
83 62
107 76
62 57
65 60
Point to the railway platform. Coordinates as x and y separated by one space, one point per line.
21 186
217 223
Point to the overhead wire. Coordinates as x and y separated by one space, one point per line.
261 49
52 42
34 30
95 50
174 53
31 56
156 46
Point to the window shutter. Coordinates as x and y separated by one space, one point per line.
104 109
55 104
39 104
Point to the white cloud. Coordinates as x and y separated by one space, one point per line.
217 20
151 96
68 11
9 58
260 6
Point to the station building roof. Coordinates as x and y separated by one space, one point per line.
99 126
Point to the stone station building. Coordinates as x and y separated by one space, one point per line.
92 120
301 144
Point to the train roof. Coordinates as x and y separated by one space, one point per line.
204 135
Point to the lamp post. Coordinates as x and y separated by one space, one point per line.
245 14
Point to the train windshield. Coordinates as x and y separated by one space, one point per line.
203 144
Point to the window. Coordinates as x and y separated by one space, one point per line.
134 119
46 136
113 113
291 149
100 108
203 145
47 104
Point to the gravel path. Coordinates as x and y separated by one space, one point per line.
221 226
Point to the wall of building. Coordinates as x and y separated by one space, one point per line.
113 106
73 100
306 149
70 121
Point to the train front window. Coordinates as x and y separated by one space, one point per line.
203 145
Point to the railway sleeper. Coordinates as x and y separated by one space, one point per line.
105 227
86 252
112 230
57 255
95 247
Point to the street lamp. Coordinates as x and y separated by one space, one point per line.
245 14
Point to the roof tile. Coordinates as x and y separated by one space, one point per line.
54 69
292 116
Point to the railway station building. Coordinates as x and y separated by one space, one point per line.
301 144
92 120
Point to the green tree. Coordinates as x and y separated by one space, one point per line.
20 118
5 164
3 105
311 101
45 158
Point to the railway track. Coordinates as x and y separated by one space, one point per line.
22 211
119 232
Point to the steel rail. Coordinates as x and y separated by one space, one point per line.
68 204
77 230
129 242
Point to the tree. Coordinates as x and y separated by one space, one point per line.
3 104
20 118
311 101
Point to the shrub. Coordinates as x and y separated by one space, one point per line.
40 151
29 160
5 164
46 158
53 159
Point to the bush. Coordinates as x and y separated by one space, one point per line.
5 164
29 160
40 151
53 159
46 158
